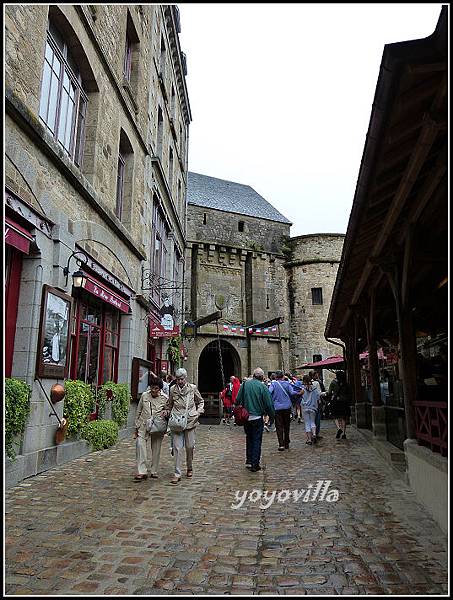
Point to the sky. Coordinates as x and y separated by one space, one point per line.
281 97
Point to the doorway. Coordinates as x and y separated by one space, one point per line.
209 371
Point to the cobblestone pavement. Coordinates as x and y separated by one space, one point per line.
87 528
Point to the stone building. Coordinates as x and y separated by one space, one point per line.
96 134
312 271
235 264
242 261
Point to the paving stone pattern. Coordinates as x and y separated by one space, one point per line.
86 528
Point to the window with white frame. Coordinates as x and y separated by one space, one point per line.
63 101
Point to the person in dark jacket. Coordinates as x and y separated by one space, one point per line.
254 396
340 395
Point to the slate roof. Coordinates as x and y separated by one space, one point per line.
230 197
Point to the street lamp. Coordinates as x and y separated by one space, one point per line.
78 278
189 330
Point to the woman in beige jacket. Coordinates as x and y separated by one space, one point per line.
152 402
181 395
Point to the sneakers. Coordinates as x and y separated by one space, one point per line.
314 439
248 466
267 429
308 442
299 421
339 432
281 448
343 437
255 468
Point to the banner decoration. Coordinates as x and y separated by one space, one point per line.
252 330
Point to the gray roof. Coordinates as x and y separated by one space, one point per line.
230 197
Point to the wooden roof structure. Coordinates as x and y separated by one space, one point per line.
401 193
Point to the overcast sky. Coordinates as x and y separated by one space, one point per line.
281 97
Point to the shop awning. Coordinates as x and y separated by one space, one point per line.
327 362
102 291
17 236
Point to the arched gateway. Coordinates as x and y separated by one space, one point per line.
209 370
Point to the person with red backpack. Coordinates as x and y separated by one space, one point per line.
252 403
228 397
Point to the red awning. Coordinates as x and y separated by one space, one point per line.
17 236
332 360
102 291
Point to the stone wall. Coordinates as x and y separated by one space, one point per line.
222 228
314 263
225 269
78 203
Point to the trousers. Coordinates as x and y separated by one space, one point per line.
183 439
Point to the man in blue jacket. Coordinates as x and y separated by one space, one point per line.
256 399
283 393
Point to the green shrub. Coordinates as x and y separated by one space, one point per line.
121 400
174 349
100 434
17 397
78 404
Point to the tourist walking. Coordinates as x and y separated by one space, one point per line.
314 376
340 395
283 392
310 401
151 404
228 396
254 396
184 406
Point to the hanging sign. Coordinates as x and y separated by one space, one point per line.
156 330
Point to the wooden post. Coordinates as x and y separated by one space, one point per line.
372 351
398 274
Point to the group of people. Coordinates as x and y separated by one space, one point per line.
180 399
278 399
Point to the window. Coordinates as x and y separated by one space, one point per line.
163 57
95 342
131 55
317 357
127 67
205 218
173 102
159 246
316 295
170 170
124 179
63 100
241 226
267 301
160 132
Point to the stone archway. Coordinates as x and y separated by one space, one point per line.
209 371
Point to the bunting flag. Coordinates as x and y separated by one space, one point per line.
242 329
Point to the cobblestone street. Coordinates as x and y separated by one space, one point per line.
88 528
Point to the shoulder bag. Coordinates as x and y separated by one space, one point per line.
178 423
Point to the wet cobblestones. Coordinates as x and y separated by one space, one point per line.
86 528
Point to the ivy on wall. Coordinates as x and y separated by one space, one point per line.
17 409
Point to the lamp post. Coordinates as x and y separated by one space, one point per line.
78 277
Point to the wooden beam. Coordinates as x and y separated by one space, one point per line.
276 321
422 148
208 319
